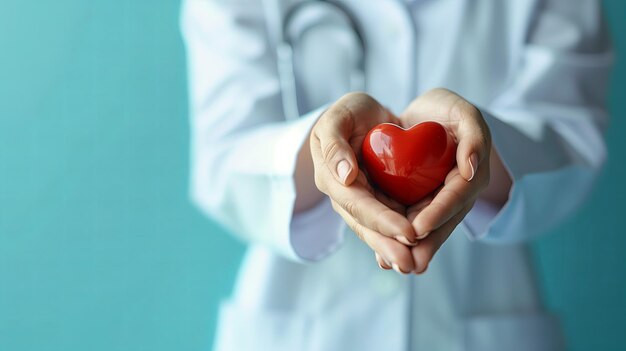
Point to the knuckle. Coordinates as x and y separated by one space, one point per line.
341 114
357 95
460 109
480 138
336 117
367 100
440 90
330 149
357 101
351 207
351 95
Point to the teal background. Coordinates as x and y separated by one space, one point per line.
100 248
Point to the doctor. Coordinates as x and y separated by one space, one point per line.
527 110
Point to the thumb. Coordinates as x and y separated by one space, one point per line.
339 158
333 131
473 148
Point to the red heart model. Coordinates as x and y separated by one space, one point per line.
408 164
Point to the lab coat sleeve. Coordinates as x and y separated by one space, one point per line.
243 152
548 124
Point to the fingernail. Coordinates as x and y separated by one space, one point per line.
420 271
382 259
423 235
378 259
343 168
397 268
473 162
405 241
417 270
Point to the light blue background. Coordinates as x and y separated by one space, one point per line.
100 248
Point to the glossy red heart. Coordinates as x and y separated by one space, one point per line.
408 164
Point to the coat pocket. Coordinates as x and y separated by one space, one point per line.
533 331
243 328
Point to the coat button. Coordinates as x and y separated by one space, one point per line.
385 283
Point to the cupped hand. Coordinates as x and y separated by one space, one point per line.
435 217
335 144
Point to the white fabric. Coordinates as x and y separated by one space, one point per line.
536 69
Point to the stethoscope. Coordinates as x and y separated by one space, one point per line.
289 28
299 19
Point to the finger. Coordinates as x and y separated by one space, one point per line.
332 132
337 126
360 203
462 118
323 173
396 254
473 139
415 209
381 263
365 208
425 251
401 210
455 194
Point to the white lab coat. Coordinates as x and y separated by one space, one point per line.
536 69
